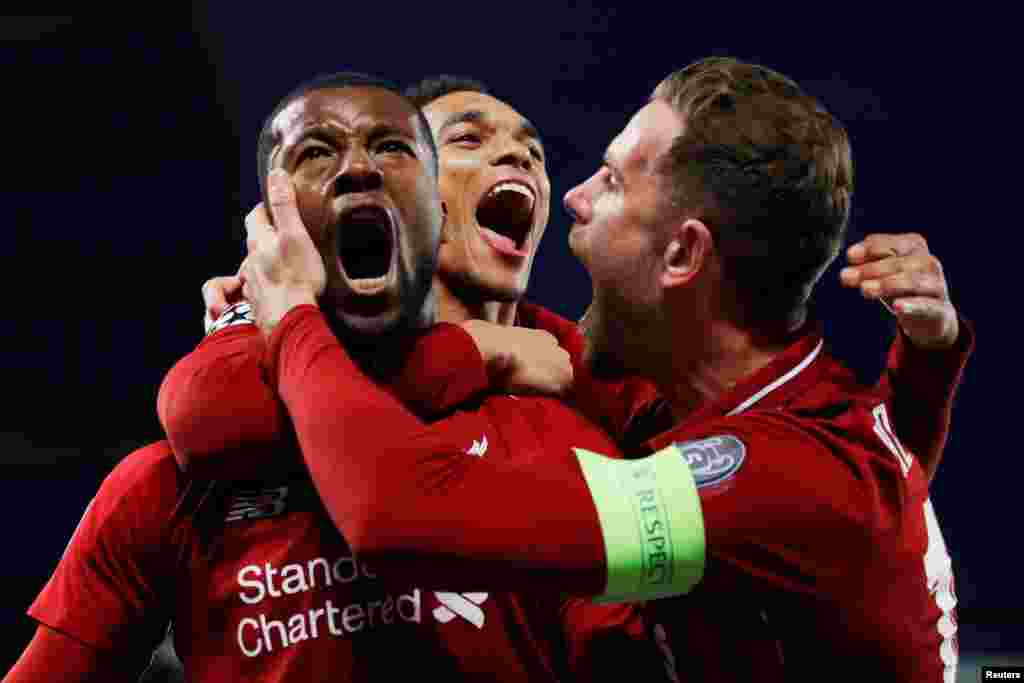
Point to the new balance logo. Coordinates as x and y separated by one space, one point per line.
479 447
462 605
257 504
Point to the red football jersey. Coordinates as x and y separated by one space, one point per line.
824 554
261 586
833 527
921 385
565 553
224 421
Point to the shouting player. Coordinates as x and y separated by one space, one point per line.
256 580
491 179
776 485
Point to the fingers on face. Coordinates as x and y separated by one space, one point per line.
256 225
283 209
218 292
257 219
213 296
247 291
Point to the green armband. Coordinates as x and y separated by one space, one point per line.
651 520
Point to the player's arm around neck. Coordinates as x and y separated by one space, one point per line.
401 491
415 505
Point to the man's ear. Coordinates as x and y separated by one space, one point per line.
687 254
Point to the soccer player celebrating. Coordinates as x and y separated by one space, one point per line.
258 583
492 173
776 492
492 169
211 405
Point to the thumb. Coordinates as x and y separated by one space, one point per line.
284 212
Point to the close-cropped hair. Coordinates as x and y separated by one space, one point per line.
769 170
428 89
343 79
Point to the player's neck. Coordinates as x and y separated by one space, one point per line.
456 310
711 362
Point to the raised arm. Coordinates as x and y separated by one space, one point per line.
928 356
225 422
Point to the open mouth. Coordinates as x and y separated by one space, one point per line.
365 245
506 212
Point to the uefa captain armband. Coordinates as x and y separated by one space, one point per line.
235 314
651 520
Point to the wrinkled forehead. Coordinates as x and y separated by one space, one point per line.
350 108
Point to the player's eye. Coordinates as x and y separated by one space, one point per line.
466 139
314 152
395 146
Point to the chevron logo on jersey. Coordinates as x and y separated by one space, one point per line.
464 605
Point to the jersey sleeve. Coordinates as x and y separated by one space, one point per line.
110 588
615 404
410 500
220 415
789 503
922 385
443 370
224 421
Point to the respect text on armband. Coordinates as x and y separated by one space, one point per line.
653 528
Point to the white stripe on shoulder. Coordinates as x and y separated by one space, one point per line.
779 382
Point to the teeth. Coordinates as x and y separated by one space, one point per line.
368 284
513 187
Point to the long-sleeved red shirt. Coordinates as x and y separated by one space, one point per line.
224 420
815 512
929 413
195 383
262 586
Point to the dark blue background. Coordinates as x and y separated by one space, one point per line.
131 160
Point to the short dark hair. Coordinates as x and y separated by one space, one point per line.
770 170
341 79
431 88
